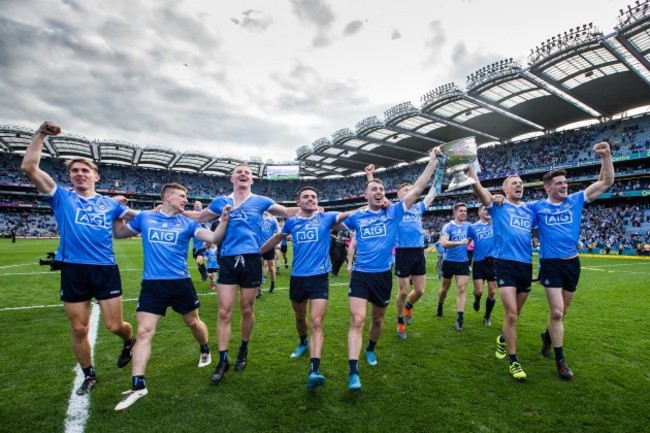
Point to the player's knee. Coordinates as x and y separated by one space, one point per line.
79 331
357 321
556 314
316 324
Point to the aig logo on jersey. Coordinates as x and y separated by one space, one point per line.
559 218
373 231
308 235
410 217
162 236
237 214
519 222
484 234
89 218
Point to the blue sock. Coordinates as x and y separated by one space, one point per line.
223 356
513 358
460 316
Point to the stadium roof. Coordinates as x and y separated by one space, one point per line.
579 75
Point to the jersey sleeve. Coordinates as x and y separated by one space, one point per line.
135 225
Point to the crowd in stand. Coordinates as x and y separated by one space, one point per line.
603 224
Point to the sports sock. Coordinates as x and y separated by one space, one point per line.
203 271
223 356
502 338
513 358
459 317
272 285
138 382
400 320
354 366
89 371
303 340
408 306
371 346
489 305
243 346
205 348
314 364
559 354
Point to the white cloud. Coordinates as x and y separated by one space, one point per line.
253 77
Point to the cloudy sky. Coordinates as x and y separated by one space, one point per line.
253 77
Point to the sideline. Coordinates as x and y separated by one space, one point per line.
77 415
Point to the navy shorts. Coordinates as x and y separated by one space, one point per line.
212 270
560 273
374 287
312 287
80 283
244 270
484 270
269 255
198 252
449 269
157 295
511 273
409 261
283 248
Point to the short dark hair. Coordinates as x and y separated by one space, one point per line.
305 188
375 180
167 186
548 177
459 204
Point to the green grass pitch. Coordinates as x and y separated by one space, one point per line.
435 380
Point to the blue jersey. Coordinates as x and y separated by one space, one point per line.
85 225
375 234
268 228
165 242
483 237
242 235
409 231
512 231
559 226
456 233
211 257
311 243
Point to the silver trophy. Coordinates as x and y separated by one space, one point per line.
460 155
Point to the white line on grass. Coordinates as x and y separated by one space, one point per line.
14 266
75 420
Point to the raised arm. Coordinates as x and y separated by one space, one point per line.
606 175
431 195
32 159
483 194
419 185
370 172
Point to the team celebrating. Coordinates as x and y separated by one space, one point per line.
246 235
